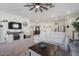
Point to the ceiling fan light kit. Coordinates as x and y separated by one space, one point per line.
39 6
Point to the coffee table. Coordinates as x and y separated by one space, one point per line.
36 50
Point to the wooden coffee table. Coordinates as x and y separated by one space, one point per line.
36 50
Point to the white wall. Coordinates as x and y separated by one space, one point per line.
13 18
45 26
10 17
48 26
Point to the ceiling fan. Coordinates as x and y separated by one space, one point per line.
39 6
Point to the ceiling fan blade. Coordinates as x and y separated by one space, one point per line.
44 7
32 8
52 6
36 9
28 5
40 9
49 5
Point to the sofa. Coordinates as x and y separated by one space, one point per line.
57 38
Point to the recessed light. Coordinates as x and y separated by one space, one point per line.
68 12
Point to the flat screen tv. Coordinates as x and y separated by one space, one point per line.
14 25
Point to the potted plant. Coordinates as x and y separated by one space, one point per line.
75 24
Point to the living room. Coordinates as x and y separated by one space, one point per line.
23 26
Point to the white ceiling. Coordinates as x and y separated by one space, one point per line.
57 12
